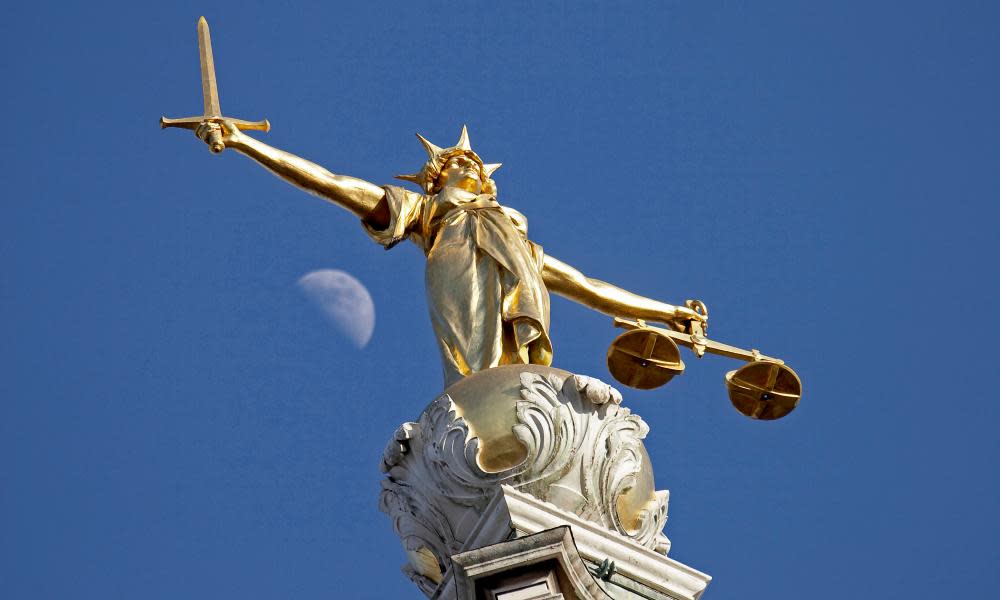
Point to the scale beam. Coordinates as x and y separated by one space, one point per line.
647 357
695 341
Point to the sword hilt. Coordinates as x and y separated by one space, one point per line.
214 141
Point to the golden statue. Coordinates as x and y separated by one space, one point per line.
487 284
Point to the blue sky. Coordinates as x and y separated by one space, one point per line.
177 420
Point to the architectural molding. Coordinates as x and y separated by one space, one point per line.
526 515
551 546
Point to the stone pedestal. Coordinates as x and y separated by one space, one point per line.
482 489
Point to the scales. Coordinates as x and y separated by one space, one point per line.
646 357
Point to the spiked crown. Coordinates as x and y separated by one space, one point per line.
427 177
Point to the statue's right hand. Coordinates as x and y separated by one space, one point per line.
217 135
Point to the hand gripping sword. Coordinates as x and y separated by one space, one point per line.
210 92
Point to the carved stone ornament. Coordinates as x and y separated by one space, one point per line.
579 450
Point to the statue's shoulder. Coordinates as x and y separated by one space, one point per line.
401 194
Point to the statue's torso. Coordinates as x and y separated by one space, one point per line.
484 286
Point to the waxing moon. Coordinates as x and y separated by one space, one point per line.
343 300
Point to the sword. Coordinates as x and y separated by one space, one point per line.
210 94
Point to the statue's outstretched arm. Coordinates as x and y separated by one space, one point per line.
362 198
609 299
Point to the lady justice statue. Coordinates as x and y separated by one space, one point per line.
514 447
487 284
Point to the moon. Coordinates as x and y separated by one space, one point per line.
343 300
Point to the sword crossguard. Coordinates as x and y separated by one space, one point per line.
192 123
214 140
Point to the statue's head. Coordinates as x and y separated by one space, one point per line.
457 166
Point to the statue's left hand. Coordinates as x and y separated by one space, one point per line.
685 317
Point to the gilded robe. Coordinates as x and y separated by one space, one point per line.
487 300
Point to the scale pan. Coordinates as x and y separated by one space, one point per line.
764 390
644 359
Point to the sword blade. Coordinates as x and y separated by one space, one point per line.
209 89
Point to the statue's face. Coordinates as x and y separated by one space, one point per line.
461 172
